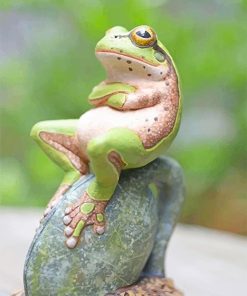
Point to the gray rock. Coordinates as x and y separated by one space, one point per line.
140 220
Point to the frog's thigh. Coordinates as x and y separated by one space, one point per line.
117 149
56 138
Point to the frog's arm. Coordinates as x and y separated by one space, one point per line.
123 96
102 92
136 100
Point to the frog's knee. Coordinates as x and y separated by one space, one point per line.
96 148
37 129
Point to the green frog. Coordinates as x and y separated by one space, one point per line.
136 115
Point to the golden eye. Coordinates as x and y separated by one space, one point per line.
143 36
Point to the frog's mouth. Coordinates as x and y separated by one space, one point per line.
120 65
116 53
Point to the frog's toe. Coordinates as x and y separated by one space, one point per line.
99 229
99 223
68 210
73 229
68 231
75 212
67 219
73 234
72 242
71 215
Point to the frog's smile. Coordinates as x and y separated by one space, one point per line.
123 66
117 53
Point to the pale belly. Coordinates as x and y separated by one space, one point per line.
150 124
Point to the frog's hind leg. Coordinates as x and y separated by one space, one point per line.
110 153
57 139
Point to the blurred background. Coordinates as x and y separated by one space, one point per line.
48 68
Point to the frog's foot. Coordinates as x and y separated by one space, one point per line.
148 286
55 199
86 211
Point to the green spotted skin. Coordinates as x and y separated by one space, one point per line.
100 217
79 228
87 208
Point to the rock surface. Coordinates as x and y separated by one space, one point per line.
136 225
202 261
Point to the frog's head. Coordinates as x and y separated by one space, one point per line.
135 54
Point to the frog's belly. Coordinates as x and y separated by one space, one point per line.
148 123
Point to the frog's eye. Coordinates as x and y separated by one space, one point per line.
143 36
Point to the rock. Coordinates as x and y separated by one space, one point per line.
139 224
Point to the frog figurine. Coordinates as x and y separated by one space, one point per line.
136 116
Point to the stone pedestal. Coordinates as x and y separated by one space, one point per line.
140 220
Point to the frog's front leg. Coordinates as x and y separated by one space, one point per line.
57 139
135 100
124 96
118 149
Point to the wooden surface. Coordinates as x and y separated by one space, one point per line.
202 262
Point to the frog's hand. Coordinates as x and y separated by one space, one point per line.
136 100
86 211
123 96
102 92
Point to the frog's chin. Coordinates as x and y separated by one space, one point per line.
121 66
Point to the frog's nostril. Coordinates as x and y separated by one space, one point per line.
120 36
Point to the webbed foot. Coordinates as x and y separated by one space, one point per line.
148 286
86 211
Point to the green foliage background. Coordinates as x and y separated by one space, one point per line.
48 68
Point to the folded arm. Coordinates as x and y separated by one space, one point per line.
133 101
123 96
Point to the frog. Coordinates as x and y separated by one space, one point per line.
135 117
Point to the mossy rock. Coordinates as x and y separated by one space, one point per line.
139 225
